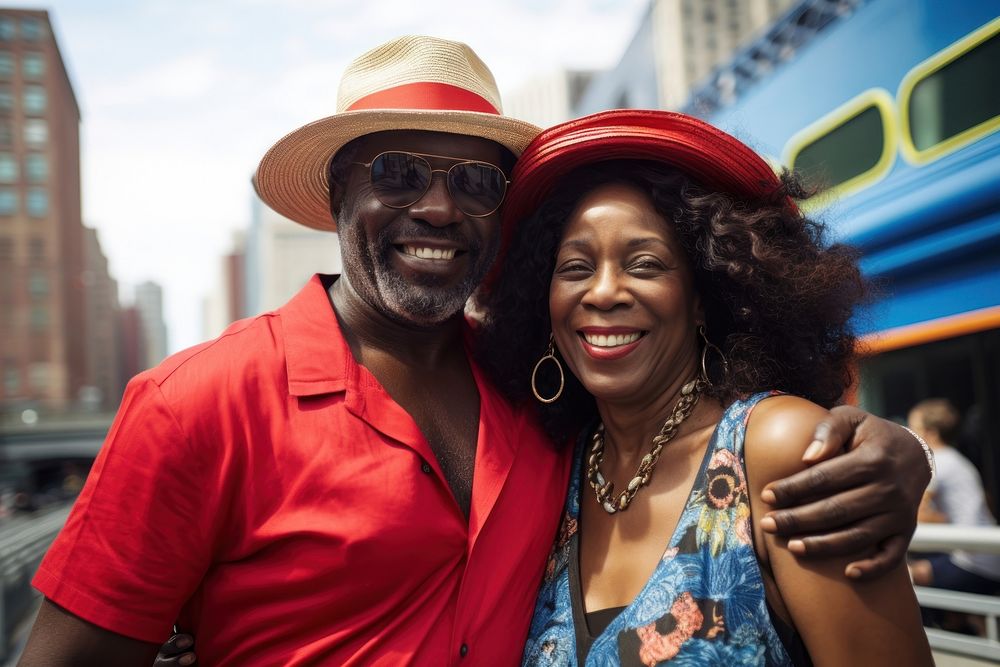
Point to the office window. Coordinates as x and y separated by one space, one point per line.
34 100
36 167
36 132
8 168
37 202
32 29
8 29
39 318
847 151
11 378
33 66
8 201
36 249
6 99
39 374
957 97
38 283
6 132
6 64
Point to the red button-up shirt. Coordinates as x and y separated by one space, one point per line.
265 491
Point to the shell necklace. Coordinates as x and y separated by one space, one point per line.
604 489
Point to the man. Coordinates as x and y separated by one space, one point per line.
340 485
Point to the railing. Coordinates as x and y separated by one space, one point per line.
944 538
22 545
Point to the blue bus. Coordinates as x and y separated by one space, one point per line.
892 109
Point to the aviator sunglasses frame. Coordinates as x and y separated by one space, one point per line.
422 157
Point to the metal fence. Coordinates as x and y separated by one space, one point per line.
23 542
944 538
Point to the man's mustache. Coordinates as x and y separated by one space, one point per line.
404 231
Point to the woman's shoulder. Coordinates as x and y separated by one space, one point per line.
778 431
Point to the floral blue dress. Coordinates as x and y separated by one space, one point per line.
703 605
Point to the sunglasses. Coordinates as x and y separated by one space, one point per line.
400 179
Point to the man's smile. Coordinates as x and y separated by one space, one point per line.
427 252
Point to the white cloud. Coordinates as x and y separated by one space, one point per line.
185 77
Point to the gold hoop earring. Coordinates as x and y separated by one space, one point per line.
706 344
550 353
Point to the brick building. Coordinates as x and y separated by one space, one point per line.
47 284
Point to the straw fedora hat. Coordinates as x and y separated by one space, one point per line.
409 83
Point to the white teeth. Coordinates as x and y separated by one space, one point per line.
429 253
611 341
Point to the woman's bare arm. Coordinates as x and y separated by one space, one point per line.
841 622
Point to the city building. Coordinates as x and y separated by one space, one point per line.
149 303
103 331
132 347
548 99
43 244
678 44
281 256
227 302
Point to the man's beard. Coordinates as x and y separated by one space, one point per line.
424 302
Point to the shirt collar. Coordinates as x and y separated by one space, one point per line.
317 358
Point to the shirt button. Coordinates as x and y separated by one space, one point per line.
464 651
426 467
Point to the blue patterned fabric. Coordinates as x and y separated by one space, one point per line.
703 605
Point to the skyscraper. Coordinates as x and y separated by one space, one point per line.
149 303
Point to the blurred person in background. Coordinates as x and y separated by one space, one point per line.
955 495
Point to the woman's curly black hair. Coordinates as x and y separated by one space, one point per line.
778 300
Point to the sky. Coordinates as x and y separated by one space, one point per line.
180 99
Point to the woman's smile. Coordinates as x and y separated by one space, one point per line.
610 343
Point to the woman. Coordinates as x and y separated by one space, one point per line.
662 264
671 289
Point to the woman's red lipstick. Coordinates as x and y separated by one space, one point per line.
609 353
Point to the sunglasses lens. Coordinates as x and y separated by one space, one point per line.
478 188
399 179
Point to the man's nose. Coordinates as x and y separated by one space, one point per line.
436 207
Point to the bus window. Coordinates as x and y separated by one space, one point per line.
850 148
847 151
953 98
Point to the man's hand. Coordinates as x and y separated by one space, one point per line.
864 500
178 650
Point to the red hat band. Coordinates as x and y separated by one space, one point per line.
427 96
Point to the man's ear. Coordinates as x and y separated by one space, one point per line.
336 197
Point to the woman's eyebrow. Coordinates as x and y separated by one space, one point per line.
574 243
645 241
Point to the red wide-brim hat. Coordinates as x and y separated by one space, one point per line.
711 157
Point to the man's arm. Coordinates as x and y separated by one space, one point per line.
60 639
865 498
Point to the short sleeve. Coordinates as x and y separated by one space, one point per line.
139 538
